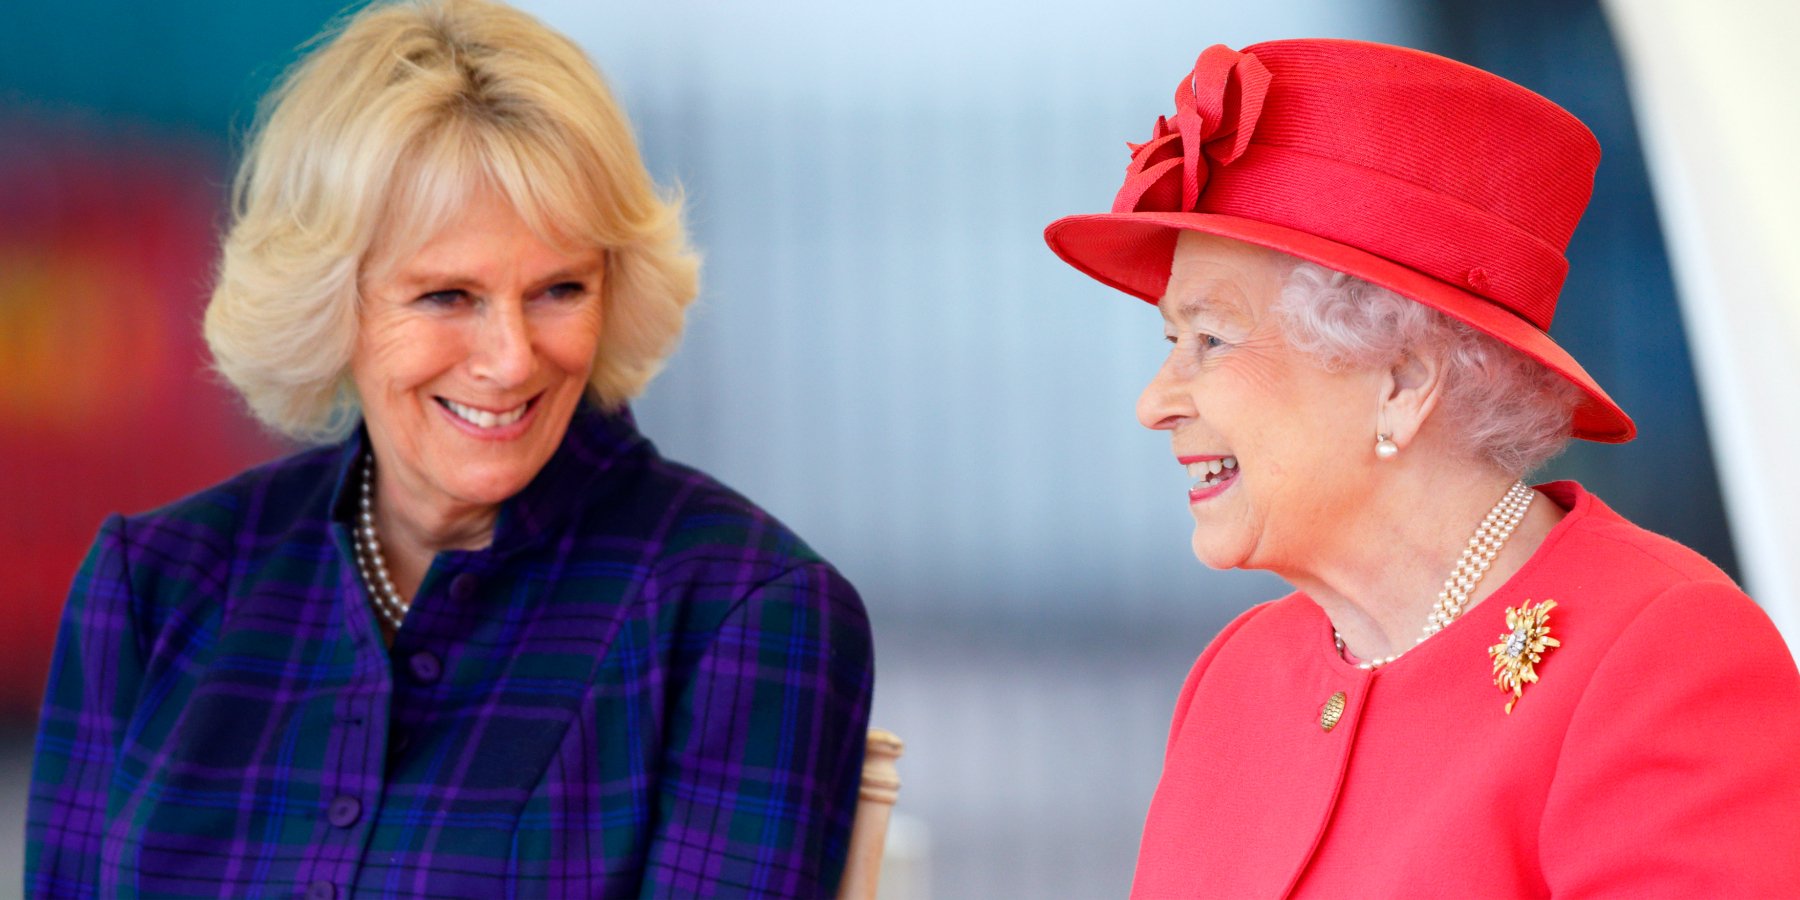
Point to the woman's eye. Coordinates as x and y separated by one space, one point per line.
566 290
443 298
1203 342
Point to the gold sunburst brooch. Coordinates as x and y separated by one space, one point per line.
1518 653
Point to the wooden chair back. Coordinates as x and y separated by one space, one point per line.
874 805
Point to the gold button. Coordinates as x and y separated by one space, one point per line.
1334 710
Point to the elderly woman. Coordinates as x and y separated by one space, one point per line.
484 641
1478 689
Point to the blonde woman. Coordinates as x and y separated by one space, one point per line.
482 640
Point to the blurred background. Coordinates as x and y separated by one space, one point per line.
884 354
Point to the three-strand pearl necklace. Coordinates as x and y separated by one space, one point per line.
387 600
1490 536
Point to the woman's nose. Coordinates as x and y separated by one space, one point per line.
1165 403
502 352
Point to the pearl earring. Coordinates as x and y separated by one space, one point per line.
1385 448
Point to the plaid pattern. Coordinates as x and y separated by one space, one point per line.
646 686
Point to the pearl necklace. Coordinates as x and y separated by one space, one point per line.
387 600
1490 536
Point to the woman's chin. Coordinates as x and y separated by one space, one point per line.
482 487
1213 555
489 474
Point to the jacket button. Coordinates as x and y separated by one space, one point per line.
425 667
1332 711
462 587
321 890
343 812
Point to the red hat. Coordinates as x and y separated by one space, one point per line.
1436 180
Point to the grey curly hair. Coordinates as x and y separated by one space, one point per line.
1507 408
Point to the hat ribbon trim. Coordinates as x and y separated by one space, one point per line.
1434 233
1216 108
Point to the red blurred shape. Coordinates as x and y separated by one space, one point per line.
106 248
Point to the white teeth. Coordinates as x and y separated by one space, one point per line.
481 418
1207 472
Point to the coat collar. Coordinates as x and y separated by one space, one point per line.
592 449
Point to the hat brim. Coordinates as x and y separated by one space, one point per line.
1132 252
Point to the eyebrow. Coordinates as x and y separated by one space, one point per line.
1203 301
456 280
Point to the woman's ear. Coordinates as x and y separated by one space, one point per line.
1409 393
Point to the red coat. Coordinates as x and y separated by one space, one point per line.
1658 756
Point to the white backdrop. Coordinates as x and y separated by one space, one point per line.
1717 91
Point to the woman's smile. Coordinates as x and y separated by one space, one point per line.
1211 475
489 424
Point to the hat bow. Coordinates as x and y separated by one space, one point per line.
1216 108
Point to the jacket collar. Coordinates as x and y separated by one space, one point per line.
592 449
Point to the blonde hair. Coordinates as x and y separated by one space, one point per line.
379 135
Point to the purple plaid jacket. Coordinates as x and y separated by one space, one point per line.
646 686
